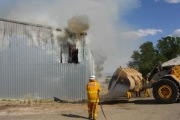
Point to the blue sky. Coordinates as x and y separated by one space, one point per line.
117 27
155 14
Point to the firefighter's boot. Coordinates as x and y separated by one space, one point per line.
90 116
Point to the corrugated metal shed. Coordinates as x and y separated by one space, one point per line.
33 66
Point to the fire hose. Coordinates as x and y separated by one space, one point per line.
102 109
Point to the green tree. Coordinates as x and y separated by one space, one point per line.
148 56
134 63
169 47
143 59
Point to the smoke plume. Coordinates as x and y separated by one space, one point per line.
106 18
78 24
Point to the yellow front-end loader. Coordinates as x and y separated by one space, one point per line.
164 79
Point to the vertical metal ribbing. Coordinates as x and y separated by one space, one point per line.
40 70
40 64
38 67
2 69
51 79
71 83
27 38
54 70
58 87
75 82
17 64
84 81
37 80
1 77
14 78
79 79
26 92
9 72
20 76
83 46
79 82
15 73
25 59
7 79
21 87
66 80
63 82
3 59
52 86
2 65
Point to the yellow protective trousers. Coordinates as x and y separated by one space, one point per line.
147 92
92 109
128 94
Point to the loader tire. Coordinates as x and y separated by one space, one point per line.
165 91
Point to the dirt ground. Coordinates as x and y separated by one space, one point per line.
114 107
144 108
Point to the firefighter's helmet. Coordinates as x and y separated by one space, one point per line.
92 77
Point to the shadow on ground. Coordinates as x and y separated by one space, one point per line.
74 116
135 101
129 101
178 101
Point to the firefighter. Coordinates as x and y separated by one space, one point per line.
93 89
147 90
128 94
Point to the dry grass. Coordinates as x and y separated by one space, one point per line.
36 107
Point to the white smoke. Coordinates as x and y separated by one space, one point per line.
106 18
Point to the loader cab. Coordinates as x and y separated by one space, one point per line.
158 72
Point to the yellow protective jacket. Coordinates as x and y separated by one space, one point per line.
93 89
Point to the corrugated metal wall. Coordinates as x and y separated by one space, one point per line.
30 65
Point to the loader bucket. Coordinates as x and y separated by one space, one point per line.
125 79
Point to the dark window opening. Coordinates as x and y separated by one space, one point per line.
73 54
